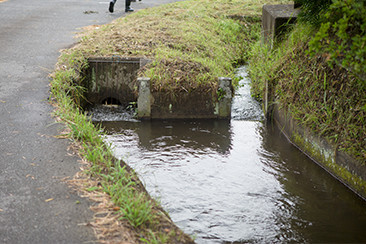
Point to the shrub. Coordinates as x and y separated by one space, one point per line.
311 10
341 38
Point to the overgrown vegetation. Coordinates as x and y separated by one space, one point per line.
319 75
197 42
342 37
312 10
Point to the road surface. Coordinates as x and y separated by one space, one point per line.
35 205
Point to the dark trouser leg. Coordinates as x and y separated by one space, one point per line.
111 5
128 8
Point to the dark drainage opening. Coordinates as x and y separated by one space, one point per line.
111 101
112 81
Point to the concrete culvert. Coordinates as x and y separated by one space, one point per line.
111 101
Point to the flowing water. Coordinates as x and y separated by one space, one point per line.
238 181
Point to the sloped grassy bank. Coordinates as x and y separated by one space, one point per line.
317 77
191 44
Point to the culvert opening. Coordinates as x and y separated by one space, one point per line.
114 81
111 87
111 101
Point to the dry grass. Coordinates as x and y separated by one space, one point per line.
107 222
107 225
191 42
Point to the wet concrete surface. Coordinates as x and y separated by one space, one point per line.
35 205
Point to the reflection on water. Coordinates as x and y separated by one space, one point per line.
333 213
238 181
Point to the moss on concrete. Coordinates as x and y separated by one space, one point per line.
327 158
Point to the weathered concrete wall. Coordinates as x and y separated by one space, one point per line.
185 105
116 79
275 20
347 170
144 98
112 78
225 94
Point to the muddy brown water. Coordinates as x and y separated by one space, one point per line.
238 181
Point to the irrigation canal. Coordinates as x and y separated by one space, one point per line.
237 181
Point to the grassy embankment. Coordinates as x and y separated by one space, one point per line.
319 75
191 43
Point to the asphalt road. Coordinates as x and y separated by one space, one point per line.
35 205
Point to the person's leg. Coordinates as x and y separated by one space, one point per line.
111 5
127 8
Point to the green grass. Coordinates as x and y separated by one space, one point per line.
329 101
197 42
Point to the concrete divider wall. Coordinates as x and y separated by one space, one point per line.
185 105
115 80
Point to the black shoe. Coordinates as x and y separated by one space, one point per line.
111 7
128 9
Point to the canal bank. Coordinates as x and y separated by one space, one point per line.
316 99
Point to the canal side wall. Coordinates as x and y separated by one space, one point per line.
349 171
340 165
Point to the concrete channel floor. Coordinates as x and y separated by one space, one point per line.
35 205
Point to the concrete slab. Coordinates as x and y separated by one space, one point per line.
275 21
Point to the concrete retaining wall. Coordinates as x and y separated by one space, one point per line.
114 80
343 167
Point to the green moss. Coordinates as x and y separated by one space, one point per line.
327 159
